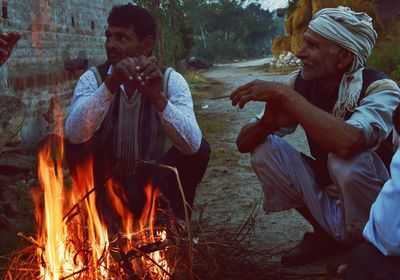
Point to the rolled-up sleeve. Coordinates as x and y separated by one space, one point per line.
374 114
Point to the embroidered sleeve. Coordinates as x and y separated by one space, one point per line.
88 109
178 118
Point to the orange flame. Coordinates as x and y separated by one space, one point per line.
141 232
76 243
62 238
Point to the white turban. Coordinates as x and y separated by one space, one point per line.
354 32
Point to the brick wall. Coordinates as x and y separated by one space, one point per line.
53 31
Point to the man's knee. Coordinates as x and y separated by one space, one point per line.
191 170
199 160
203 154
342 170
76 155
358 170
193 166
260 156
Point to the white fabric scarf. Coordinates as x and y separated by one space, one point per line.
354 32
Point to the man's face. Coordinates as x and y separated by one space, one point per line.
122 43
319 56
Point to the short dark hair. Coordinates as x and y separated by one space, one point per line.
134 16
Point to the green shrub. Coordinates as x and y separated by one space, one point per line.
386 57
386 54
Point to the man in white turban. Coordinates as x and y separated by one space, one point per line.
345 110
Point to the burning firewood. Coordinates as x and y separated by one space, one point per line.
73 243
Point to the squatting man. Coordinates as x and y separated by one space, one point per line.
346 111
122 113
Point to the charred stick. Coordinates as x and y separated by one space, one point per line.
127 267
72 215
78 253
185 204
77 204
154 262
146 249
75 273
103 254
30 239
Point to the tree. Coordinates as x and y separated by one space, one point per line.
174 38
215 30
227 29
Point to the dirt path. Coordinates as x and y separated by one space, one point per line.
230 190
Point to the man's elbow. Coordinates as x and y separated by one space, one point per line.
351 148
188 148
242 146
345 153
67 131
73 140
71 135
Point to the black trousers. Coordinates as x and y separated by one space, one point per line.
368 263
191 169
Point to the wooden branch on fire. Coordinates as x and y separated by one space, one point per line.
185 204
146 249
143 252
138 251
71 213
68 215
30 239
175 171
149 163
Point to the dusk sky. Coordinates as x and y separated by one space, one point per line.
271 4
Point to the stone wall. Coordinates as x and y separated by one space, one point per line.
53 33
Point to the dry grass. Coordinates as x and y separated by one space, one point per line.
211 254
220 253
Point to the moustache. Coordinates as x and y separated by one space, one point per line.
306 63
114 53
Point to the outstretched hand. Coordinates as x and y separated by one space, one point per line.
259 90
7 43
274 94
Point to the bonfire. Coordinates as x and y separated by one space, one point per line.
73 242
